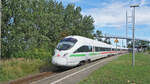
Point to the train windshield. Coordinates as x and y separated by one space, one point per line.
66 43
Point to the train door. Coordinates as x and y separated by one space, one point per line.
83 52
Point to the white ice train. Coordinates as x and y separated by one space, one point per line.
73 50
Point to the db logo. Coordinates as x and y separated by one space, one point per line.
58 55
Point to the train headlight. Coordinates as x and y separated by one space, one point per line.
65 54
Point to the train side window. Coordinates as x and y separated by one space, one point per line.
90 48
84 49
103 49
96 49
114 49
109 49
99 49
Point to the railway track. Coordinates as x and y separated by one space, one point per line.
27 80
55 75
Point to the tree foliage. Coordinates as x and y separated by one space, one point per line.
98 35
29 25
139 43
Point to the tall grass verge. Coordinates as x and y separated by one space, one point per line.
121 71
19 67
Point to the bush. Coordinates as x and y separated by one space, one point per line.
37 53
15 68
24 63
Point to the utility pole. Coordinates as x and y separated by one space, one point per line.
122 42
127 22
133 31
127 28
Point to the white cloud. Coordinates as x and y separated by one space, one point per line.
114 14
111 14
143 15
140 2
143 2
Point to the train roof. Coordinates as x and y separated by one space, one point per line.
95 42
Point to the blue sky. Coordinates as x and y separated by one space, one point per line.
109 15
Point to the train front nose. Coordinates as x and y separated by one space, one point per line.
59 61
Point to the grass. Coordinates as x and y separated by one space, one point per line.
120 71
15 68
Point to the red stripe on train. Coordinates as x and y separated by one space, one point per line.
108 52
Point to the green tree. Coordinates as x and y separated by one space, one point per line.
28 25
105 41
98 35
109 42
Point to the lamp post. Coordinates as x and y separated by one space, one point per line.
126 29
133 31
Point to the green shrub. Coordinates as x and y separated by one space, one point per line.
37 53
24 63
15 68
